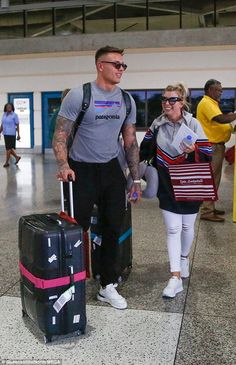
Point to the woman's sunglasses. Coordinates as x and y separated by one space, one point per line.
117 64
172 100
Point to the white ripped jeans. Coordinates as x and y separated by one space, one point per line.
180 234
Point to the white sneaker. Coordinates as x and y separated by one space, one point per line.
110 295
184 267
174 287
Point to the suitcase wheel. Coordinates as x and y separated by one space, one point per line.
80 332
96 277
47 339
24 314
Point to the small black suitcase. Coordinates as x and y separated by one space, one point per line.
52 267
124 246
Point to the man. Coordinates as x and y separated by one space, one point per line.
93 163
218 129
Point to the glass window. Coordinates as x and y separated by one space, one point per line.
11 25
39 23
164 15
148 103
100 18
199 14
131 17
69 21
140 100
154 106
227 101
225 13
195 97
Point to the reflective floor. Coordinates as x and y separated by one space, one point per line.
198 327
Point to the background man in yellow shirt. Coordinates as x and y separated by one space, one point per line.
218 129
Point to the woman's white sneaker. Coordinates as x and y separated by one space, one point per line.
174 287
184 267
110 295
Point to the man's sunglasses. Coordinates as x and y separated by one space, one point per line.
172 100
117 64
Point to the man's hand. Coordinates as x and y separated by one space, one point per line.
135 193
65 174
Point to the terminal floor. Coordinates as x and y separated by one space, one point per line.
196 328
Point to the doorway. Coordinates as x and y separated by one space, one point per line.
51 102
23 103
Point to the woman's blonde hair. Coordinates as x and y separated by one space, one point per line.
183 93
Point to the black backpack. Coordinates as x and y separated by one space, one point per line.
85 105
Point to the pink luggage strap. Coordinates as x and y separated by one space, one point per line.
50 283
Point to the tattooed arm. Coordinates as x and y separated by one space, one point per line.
59 144
132 156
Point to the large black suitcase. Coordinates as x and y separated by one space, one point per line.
124 246
53 274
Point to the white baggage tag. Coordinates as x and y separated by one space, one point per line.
63 299
76 318
97 240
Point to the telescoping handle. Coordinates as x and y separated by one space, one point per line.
70 198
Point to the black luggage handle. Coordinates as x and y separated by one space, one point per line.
70 198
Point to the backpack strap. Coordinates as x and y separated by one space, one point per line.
85 105
127 100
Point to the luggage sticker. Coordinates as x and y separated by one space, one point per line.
78 243
76 318
96 239
52 258
63 299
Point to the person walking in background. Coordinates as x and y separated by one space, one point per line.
179 216
93 163
9 128
218 130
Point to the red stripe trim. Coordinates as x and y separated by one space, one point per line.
50 283
169 159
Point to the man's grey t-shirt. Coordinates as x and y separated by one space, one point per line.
96 139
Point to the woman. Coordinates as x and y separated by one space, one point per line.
9 127
179 217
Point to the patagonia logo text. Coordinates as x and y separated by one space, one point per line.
107 117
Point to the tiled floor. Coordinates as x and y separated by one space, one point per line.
196 328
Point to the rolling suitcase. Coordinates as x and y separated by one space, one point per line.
52 268
124 246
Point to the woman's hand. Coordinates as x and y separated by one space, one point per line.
190 148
